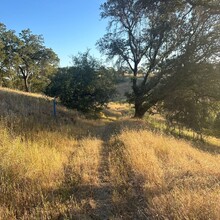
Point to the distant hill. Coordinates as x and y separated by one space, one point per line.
124 87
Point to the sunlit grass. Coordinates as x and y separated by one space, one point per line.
85 161
36 151
19 92
116 110
177 180
52 167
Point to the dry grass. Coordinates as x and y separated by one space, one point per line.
37 152
28 170
67 168
213 140
86 160
177 180
116 110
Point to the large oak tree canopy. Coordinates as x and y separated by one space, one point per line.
25 57
167 37
34 57
8 56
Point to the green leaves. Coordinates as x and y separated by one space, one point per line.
25 58
166 37
195 103
87 86
35 58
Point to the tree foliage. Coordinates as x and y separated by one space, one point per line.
34 58
167 37
8 57
24 57
87 86
194 104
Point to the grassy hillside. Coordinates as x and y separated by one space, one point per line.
72 168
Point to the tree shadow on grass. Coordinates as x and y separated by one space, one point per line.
198 143
207 147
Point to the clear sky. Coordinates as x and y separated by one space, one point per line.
68 26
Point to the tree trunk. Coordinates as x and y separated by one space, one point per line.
139 110
25 77
142 106
26 86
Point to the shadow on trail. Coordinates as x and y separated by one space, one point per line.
108 199
103 194
129 199
122 200
118 195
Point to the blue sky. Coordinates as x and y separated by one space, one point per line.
68 26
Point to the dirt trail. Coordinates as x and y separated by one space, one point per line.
131 207
131 203
103 194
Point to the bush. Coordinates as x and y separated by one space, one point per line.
87 86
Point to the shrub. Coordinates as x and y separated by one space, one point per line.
87 86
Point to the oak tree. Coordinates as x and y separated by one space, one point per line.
167 37
34 58
8 56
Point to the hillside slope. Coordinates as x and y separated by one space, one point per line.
72 168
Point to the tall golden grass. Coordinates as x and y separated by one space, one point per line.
54 168
36 152
177 180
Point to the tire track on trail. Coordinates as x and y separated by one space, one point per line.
103 194
131 203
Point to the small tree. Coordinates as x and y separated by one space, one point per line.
87 86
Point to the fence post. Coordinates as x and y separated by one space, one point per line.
54 107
